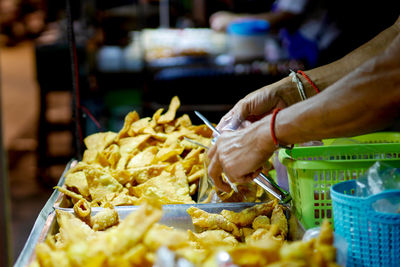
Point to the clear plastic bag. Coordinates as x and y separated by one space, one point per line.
247 192
379 178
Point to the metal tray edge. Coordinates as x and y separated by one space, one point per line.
38 228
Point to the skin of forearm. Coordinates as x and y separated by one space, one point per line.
366 100
326 75
286 90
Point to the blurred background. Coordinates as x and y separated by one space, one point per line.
138 54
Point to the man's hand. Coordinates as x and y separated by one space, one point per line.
258 104
240 154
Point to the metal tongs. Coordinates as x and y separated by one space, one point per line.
262 180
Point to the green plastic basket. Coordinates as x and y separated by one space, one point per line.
372 138
313 170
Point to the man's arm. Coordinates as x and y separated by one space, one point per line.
368 99
284 92
365 100
326 75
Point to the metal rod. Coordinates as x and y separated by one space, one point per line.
195 142
75 81
270 186
207 122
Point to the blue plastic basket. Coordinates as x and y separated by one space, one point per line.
373 237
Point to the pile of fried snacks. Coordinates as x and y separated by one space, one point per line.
253 237
148 159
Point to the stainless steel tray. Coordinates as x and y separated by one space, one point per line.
60 196
173 215
177 217
44 220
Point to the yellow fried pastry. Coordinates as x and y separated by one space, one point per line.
246 216
104 219
82 210
161 235
261 221
278 218
212 238
170 115
212 221
118 167
137 239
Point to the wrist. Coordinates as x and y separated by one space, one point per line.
287 90
277 143
290 127
264 138
310 85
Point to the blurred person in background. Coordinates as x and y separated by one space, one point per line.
318 31
360 94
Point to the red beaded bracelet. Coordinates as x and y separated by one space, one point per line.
309 80
274 113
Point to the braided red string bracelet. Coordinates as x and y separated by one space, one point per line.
274 113
309 80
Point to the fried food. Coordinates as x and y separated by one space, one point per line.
130 118
260 254
315 252
82 210
212 221
166 188
170 115
104 219
99 141
102 186
78 183
171 238
212 238
261 221
278 218
147 159
246 216
262 234
72 229
131 230
78 245
137 239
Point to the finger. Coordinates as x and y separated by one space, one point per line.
214 171
254 174
222 185
238 118
257 172
224 120
230 115
248 177
211 152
